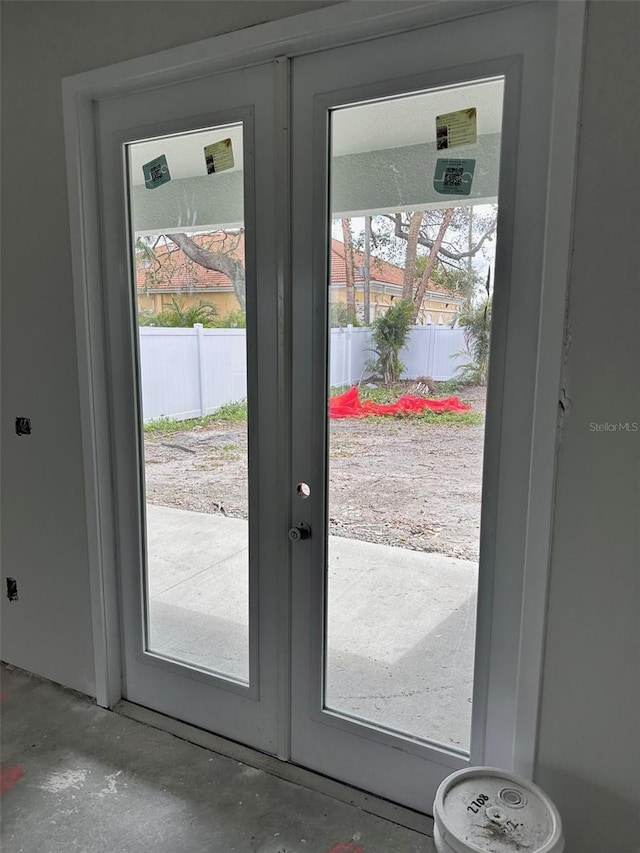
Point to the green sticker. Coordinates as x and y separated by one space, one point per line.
454 177
219 156
156 172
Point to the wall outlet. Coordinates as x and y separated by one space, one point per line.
23 426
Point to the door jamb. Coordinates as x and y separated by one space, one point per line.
548 412
342 24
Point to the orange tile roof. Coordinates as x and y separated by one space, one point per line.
381 270
175 272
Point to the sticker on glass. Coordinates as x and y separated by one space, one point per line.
453 177
457 128
156 172
219 156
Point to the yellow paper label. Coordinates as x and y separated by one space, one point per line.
219 156
457 128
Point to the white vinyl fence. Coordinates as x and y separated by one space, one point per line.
430 351
189 373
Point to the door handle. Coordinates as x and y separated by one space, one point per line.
299 532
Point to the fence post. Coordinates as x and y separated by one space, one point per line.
201 368
433 330
349 353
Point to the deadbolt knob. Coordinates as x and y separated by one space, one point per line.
300 531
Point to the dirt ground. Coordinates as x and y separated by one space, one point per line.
400 482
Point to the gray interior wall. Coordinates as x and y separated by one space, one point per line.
589 750
44 541
588 755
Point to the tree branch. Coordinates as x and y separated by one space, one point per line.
233 268
396 218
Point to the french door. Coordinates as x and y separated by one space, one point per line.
201 604
392 688
250 603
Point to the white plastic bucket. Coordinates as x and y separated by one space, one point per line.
486 810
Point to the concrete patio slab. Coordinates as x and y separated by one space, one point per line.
181 544
400 623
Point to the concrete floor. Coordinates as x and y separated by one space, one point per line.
79 779
400 623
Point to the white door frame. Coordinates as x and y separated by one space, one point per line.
342 24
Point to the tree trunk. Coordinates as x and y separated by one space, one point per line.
431 262
233 268
348 266
411 256
367 270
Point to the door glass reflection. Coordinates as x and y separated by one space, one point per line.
413 200
186 195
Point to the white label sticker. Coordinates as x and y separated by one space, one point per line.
219 156
457 128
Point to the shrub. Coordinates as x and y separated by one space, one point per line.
232 320
340 315
390 331
180 316
476 321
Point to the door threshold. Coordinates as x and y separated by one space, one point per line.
370 803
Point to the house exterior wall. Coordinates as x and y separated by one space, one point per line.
588 745
382 298
224 303
438 308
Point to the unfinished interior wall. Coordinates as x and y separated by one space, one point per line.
588 756
44 540
589 753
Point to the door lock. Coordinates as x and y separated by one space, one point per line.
300 531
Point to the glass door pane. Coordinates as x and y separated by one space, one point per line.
413 212
186 195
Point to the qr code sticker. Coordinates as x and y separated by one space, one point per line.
156 172
453 176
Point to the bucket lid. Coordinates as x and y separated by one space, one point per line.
487 810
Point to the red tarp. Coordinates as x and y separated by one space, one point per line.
349 405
